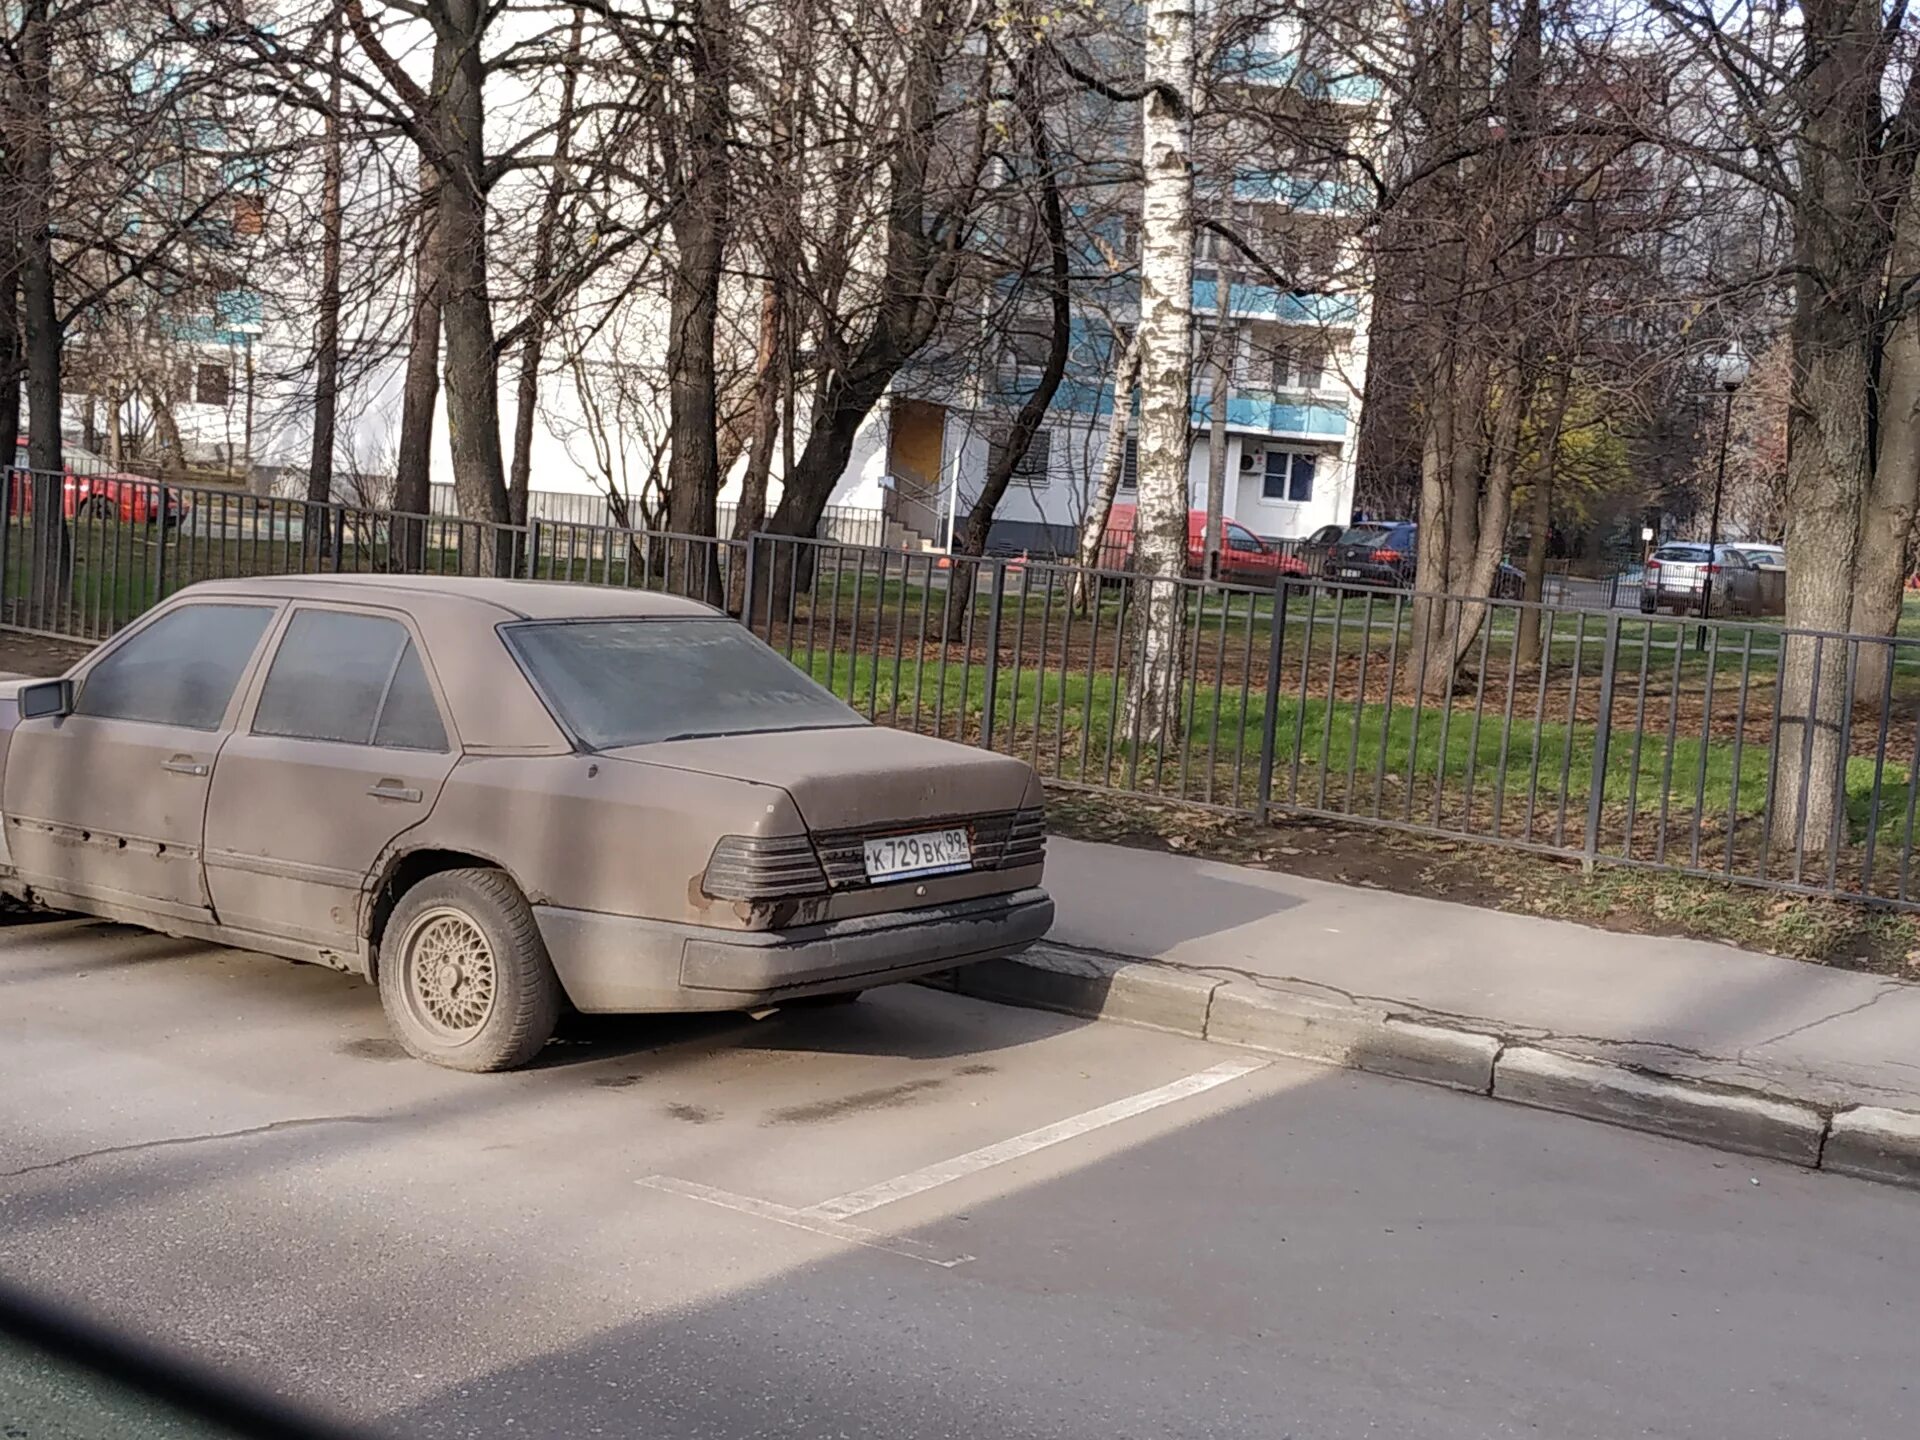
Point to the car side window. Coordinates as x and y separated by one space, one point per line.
410 720
335 677
180 670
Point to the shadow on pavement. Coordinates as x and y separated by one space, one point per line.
1347 1257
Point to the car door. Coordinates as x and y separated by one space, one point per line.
107 803
1247 557
344 746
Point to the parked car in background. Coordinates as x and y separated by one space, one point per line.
1676 579
490 796
93 490
1380 552
1387 553
1245 559
1313 552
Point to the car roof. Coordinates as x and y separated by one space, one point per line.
419 594
458 617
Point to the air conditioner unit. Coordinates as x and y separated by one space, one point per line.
1251 460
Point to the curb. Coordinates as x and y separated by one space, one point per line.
1867 1142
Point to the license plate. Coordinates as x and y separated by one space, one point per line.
1349 574
930 852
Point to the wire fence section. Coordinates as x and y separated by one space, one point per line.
1735 748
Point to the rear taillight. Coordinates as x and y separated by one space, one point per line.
1026 838
1713 569
1386 557
752 867
1653 564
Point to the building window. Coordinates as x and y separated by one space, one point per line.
1299 366
212 387
1288 477
1032 467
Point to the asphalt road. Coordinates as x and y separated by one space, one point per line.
872 1222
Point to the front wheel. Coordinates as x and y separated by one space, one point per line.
464 975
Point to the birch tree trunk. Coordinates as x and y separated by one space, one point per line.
1220 387
1113 463
1166 367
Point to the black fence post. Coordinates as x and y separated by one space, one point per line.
747 569
1270 719
1602 738
160 557
998 594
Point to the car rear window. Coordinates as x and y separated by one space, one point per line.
1682 554
1373 535
629 682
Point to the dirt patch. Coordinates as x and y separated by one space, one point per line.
374 1047
1825 932
38 656
888 1097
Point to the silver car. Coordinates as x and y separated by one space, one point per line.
489 796
1676 580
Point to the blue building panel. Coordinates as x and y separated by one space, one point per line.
1265 302
1275 416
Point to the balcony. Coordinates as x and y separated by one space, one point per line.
1313 195
1264 302
1272 414
1256 65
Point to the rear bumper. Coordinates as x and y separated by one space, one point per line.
1365 573
619 964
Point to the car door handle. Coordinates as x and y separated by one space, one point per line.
394 790
184 765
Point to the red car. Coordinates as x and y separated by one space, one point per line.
1244 557
97 492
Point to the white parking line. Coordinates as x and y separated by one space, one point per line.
828 1218
801 1220
916 1182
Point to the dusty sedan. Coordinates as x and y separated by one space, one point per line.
491 795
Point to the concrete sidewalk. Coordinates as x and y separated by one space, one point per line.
1800 1061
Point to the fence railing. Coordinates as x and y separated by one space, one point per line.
82 556
848 524
1738 749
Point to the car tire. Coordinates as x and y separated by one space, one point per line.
95 507
502 1000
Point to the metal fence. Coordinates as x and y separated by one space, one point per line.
1610 737
82 556
848 524
1607 737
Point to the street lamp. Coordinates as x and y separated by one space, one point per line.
1730 370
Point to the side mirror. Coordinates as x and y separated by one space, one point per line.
46 698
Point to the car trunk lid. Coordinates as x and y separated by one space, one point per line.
854 778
